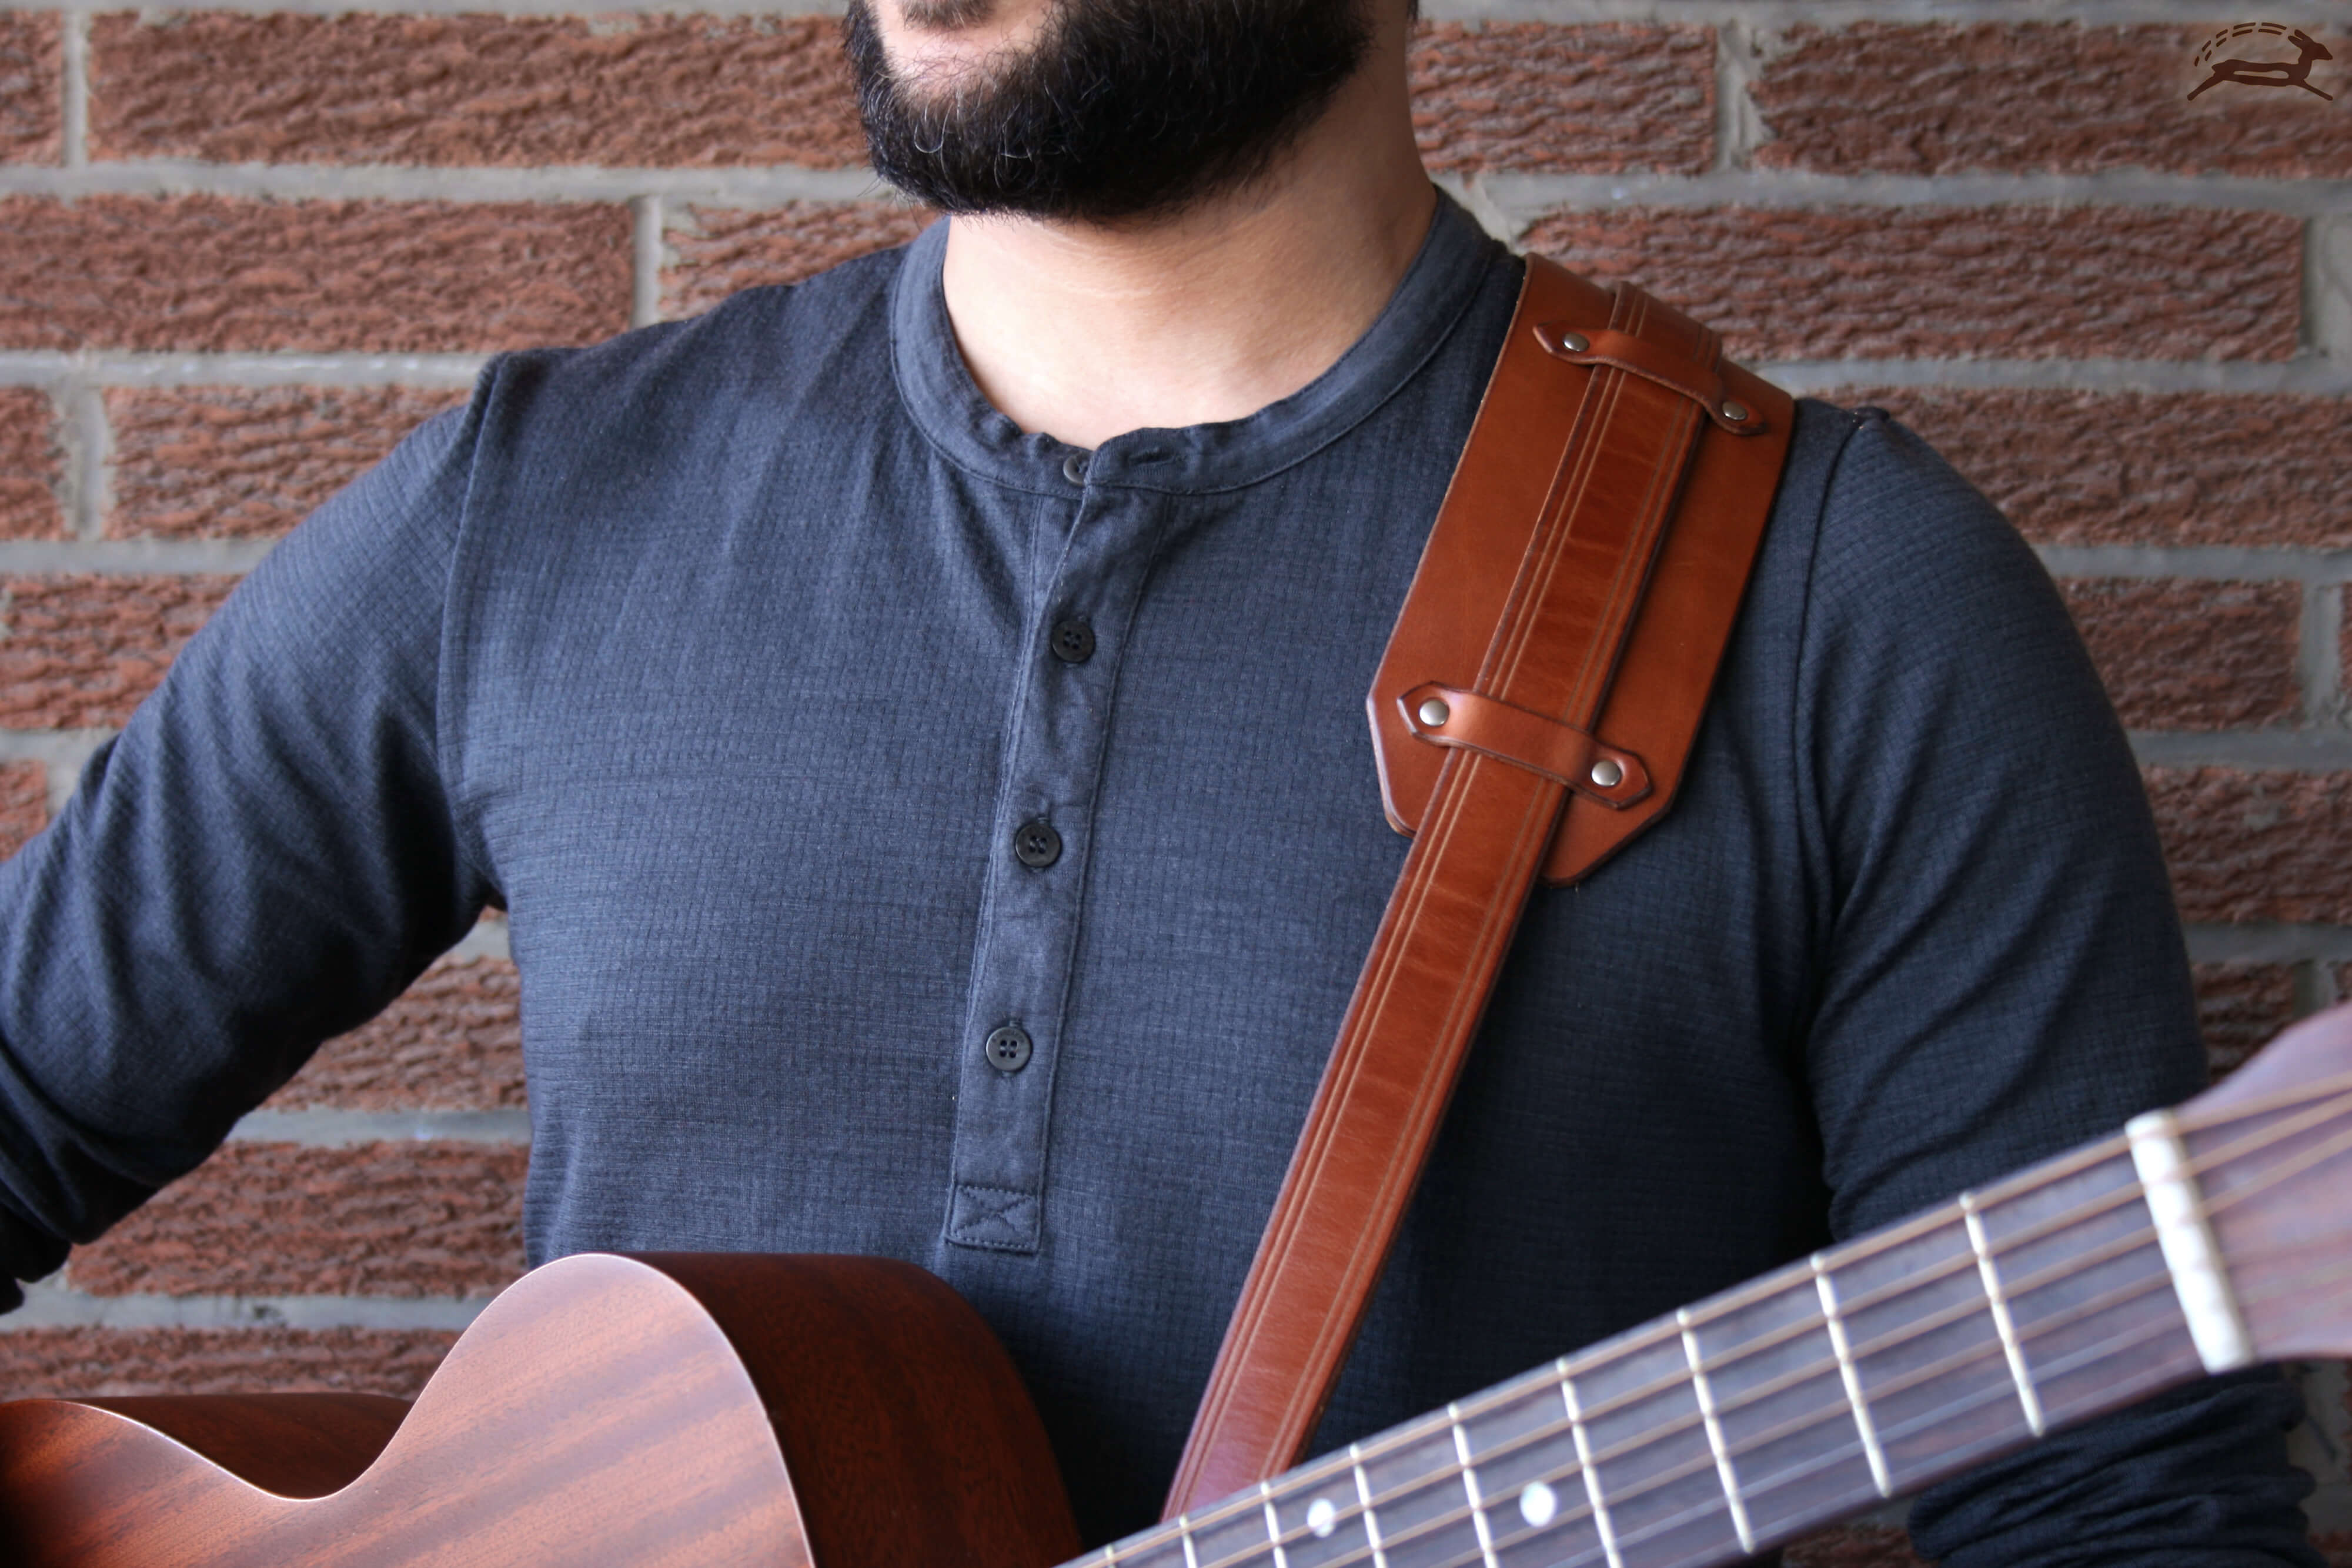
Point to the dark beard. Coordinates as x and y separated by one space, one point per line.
1122 109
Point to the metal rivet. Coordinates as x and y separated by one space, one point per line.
1574 342
1434 712
1607 774
1735 412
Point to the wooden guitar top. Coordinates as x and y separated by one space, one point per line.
606 1410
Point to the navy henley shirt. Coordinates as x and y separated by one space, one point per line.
724 656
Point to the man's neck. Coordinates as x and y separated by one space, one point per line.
1085 331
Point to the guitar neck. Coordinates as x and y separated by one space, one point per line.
1863 1374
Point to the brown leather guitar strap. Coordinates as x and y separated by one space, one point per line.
1533 712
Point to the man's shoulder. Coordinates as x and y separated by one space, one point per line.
1865 496
778 341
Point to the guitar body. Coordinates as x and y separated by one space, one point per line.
665 1411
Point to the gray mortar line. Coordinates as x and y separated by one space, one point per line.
1732 149
54 1306
112 557
2311 376
571 185
88 442
2271 943
1533 194
1470 190
325 1129
645 261
63 752
488 939
1838 13
564 9
1525 196
2327 285
2272 750
2319 654
1765 12
73 90
2221 563
56 371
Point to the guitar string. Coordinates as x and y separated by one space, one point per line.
1392 1538
2003 1389
2086 1158
1715 1502
1844 1452
2024 1184
2107 1350
1962 1265
2264 1104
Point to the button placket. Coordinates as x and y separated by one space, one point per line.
1021 967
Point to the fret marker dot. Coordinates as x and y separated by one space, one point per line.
1537 1504
1321 1516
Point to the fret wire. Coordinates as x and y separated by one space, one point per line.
2116 1296
1184 1536
1364 1497
2113 1148
2028 1399
1920 1225
1723 1471
2075 1262
1586 1464
1587 1471
1849 1374
1272 1525
1925 1224
1949 1363
1587 1460
1470 1487
2106 1350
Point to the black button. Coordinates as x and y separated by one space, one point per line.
1074 468
1036 844
1008 1048
1073 641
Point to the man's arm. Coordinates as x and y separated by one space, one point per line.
264 857
2001 974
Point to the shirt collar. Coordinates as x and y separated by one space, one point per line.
948 407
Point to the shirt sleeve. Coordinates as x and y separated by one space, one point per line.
2001 974
264 857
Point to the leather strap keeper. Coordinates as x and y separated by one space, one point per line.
1445 715
1513 462
1563 624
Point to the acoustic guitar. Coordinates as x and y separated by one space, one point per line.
853 1413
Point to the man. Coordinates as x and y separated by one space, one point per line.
1009 602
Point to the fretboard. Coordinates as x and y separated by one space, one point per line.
1863 1374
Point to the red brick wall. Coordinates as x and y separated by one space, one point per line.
242 251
